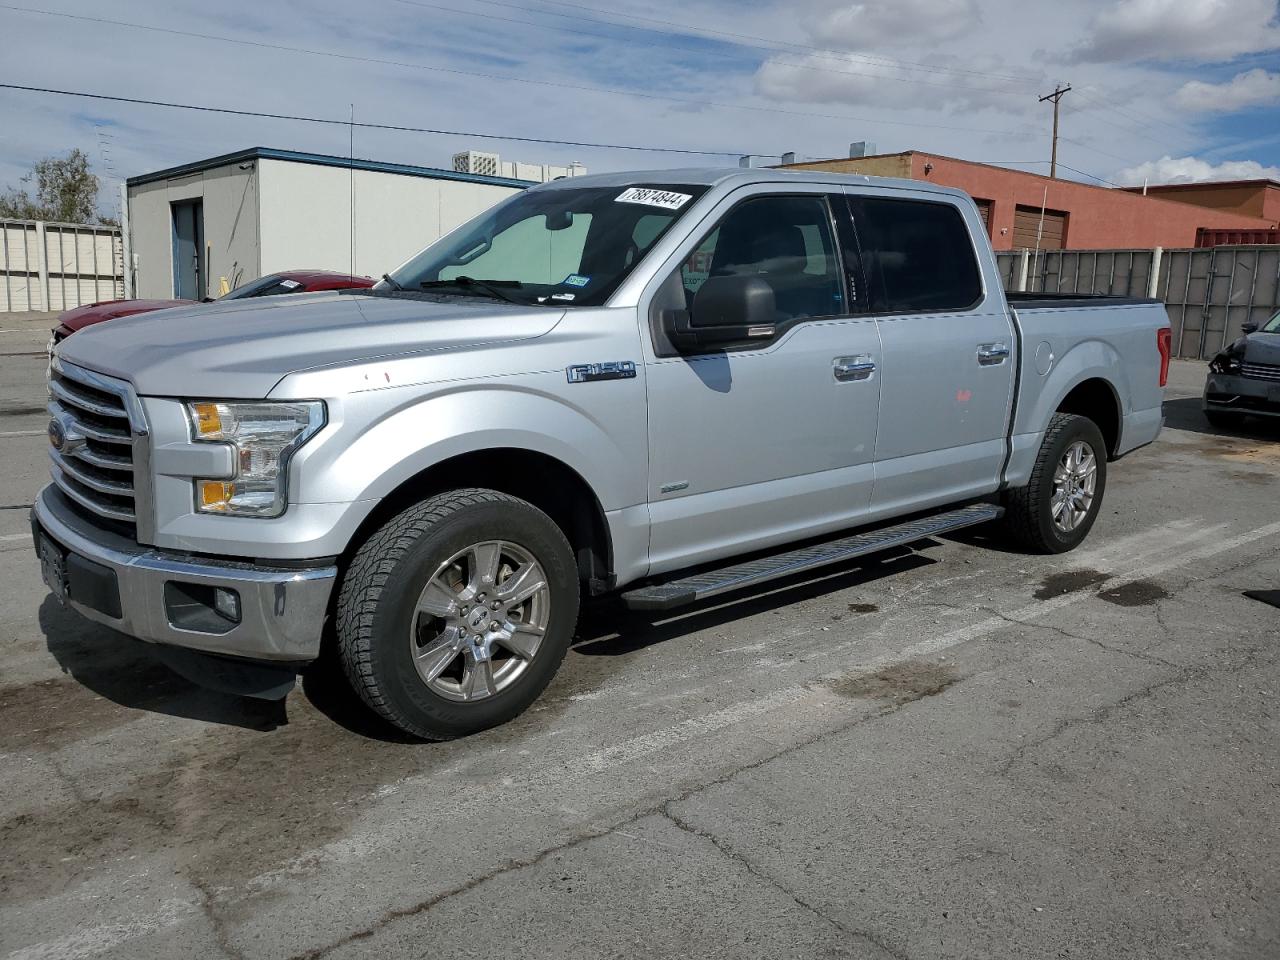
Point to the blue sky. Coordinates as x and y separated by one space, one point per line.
1166 90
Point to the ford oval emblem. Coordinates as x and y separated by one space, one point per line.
57 435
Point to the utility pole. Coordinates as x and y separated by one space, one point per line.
1058 91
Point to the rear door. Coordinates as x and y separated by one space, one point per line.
948 364
758 444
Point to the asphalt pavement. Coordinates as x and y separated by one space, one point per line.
954 751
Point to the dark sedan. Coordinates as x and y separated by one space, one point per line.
1244 379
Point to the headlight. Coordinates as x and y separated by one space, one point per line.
1225 363
264 437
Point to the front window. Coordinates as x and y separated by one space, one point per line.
268 286
1272 325
785 241
563 246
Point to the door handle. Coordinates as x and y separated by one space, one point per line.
853 368
991 354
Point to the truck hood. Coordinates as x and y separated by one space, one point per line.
241 349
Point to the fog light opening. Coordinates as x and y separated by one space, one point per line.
227 603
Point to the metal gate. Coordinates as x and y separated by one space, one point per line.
55 266
1209 292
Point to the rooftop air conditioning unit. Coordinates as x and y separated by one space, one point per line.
473 161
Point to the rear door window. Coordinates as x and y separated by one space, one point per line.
917 256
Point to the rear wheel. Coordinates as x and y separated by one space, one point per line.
455 614
1054 512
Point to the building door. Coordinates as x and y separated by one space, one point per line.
188 250
984 211
1032 232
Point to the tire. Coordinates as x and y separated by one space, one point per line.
1223 421
1030 510
393 633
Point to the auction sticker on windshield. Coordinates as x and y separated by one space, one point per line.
652 197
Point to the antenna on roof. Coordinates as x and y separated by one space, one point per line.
351 188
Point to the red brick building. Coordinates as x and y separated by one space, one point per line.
1028 210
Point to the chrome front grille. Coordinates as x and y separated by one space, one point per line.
96 424
1260 371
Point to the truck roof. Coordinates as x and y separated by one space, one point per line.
715 176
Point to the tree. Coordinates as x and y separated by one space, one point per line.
66 191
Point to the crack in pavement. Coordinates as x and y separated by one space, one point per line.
1104 712
1148 658
653 809
725 848
220 931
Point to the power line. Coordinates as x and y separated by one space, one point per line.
375 126
613 91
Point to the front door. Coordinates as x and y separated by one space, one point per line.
188 250
753 446
949 361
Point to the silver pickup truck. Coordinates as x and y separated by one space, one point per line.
669 385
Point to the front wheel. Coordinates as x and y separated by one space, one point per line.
455 614
1055 510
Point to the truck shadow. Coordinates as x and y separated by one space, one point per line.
118 670
1185 413
125 672
607 628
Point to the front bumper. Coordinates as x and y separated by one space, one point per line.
282 610
1242 394
1233 394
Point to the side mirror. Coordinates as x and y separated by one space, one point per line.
725 310
1249 327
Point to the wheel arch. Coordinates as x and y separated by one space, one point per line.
538 478
1096 398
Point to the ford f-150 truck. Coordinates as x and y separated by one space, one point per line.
666 385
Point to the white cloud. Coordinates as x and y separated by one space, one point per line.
1203 31
862 26
1195 170
889 84
1252 88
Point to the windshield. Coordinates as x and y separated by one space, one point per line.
564 246
268 286
1272 325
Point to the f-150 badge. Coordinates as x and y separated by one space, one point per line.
610 370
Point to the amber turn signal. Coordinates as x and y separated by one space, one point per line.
208 420
214 494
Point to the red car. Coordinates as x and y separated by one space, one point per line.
288 281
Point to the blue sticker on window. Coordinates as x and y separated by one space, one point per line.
576 280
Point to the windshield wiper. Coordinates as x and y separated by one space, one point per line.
489 287
395 284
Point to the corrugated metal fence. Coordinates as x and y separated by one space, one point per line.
1208 292
55 266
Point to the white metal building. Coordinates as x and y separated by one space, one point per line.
201 228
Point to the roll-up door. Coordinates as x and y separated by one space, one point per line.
1027 225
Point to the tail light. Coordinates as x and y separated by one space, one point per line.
1164 343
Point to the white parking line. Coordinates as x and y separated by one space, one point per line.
1039 608
23 433
96 940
